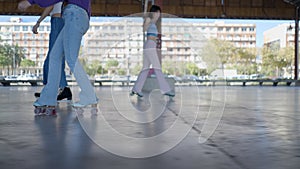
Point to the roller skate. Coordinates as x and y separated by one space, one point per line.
170 94
80 108
43 110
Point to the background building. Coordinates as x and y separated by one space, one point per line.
122 39
283 35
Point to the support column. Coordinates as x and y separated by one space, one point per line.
296 43
158 24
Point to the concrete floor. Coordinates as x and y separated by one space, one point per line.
240 128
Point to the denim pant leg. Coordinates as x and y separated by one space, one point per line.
49 92
57 24
76 25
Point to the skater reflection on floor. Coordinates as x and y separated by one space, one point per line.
60 146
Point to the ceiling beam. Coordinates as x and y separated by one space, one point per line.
230 9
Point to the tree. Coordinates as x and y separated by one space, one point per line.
112 65
285 61
101 70
94 68
209 56
11 56
225 51
245 61
168 67
136 70
275 60
27 63
192 68
216 53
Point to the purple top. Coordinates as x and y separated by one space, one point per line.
85 4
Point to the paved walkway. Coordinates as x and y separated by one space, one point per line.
202 127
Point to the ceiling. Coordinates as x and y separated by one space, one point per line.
230 9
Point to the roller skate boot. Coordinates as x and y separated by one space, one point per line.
80 108
140 94
44 110
170 94
37 94
65 93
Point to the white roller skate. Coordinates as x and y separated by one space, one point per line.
139 94
81 108
170 94
43 110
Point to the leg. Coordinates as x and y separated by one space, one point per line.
76 24
49 92
52 38
143 74
153 59
63 81
57 24
46 69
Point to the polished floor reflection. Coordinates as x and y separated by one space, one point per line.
240 128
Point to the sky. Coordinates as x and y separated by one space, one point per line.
261 25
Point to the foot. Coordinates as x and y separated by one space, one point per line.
170 94
140 94
79 108
65 94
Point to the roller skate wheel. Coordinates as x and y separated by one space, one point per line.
50 112
39 111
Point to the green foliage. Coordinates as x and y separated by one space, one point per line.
27 63
223 54
122 71
276 60
11 55
245 61
101 70
111 64
94 68
168 67
209 55
192 68
136 70
179 68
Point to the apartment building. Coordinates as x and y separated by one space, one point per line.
182 40
19 33
283 35
122 39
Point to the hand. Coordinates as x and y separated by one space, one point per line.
23 5
35 27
